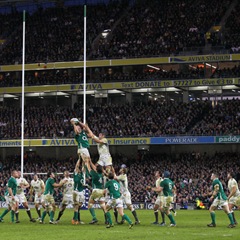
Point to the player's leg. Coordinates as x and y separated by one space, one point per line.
17 208
231 203
14 207
166 206
128 201
123 215
75 207
61 211
7 210
226 210
115 212
103 207
91 209
212 213
38 209
81 201
28 211
108 215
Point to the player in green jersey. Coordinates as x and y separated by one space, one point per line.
168 189
78 194
97 191
82 132
48 197
113 188
10 196
219 199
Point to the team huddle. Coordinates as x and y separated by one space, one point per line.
107 188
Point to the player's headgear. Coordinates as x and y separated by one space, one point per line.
166 174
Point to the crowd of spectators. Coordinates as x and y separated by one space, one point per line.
145 29
56 34
226 72
232 34
161 28
190 171
97 75
137 119
223 119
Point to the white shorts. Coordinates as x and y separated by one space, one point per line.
48 200
219 202
167 201
67 199
234 201
38 199
21 198
97 195
105 160
118 203
9 201
78 197
126 197
83 151
159 201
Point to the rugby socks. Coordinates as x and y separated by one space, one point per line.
4 213
44 215
234 219
75 216
156 215
125 217
213 216
171 218
12 216
29 213
59 215
163 216
115 212
109 218
17 214
92 211
135 215
52 216
38 212
78 215
230 216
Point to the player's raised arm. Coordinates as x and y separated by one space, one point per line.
87 129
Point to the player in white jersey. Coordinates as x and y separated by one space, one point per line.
234 194
37 187
159 201
126 195
21 198
105 159
68 188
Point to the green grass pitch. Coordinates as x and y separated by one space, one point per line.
190 225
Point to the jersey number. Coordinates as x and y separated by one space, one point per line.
170 186
115 186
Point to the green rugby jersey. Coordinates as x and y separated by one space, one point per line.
221 194
82 140
114 188
167 185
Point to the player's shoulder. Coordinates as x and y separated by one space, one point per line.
105 140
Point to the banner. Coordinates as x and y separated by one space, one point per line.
182 140
124 85
228 139
201 58
70 142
